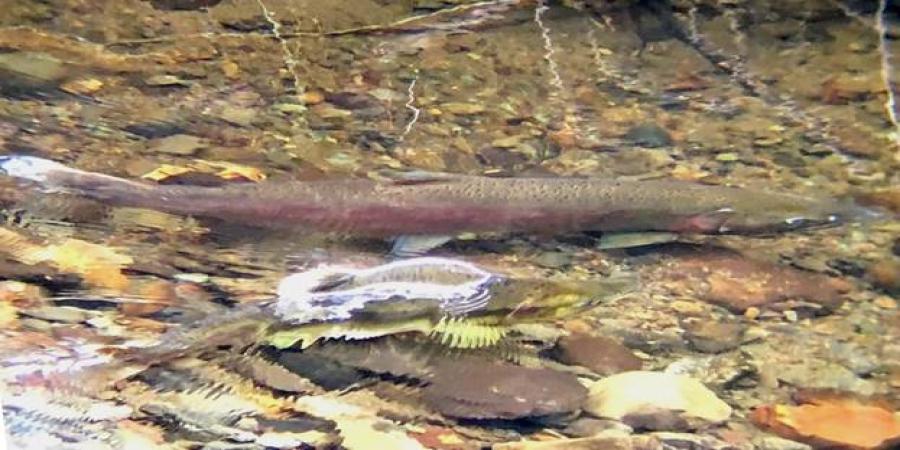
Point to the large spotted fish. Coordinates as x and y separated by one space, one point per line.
425 210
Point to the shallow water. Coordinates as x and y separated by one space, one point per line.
793 96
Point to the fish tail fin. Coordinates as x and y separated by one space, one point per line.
31 168
52 176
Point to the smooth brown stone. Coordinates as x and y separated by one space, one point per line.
603 355
737 282
474 388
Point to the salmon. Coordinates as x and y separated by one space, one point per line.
426 210
461 304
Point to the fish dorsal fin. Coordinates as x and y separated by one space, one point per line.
415 176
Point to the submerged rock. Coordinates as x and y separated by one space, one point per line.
183 5
588 426
737 283
777 443
715 337
23 72
832 424
817 374
672 440
178 144
587 443
888 198
64 314
553 260
481 389
463 109
656 401
649 135
602 355
885 274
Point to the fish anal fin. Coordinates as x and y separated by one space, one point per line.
410 246
627 240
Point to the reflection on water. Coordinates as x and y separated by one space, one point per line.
126 327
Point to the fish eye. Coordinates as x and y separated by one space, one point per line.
833 218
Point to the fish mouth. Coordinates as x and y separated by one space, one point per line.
798 223
805 223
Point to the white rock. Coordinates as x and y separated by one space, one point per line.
777 443
287 440
656 400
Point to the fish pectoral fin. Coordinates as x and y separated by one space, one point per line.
410 246
415 176
627 240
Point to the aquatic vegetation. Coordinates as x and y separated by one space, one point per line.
836 423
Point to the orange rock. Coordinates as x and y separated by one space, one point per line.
859 140
313 97
885 274
191 292
440 438
894 377
230 69
841 89
143 324
140 309
839 425
565 138
888 197
738 283
21 295
687 82
82 86
153 297
577 326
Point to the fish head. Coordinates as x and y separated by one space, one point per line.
551 298
768 213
